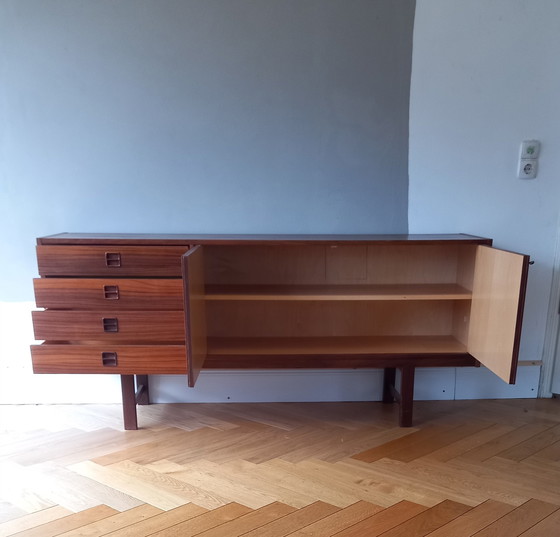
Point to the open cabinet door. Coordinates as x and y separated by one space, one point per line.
498 297
195 312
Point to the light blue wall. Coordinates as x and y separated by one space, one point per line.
200 116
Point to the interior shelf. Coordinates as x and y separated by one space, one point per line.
335 345
337 292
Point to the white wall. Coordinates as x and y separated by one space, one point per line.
485 76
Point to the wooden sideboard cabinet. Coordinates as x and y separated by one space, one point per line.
136 305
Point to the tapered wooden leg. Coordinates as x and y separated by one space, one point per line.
142 390
389 375
406 396
129 402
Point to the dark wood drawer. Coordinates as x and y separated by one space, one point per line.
89 293
111 261
112 326
116 359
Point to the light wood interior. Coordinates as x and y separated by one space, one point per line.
496 306
302 298
331 292
335 345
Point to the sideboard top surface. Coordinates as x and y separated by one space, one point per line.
264 239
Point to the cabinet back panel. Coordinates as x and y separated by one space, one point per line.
259 265
374 264
461 320
315 319
465 269
399 264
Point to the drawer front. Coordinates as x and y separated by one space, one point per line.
113 326
110 261
109 294
115 359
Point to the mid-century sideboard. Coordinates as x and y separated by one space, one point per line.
142 304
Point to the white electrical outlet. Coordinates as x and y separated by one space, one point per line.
527 168
530 149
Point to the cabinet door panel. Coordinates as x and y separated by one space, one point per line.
195 312
498 297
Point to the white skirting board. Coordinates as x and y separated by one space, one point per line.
345 385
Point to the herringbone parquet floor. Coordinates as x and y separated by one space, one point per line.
484 468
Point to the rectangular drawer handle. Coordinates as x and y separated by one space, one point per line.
109 359
112 259
111 292
110 324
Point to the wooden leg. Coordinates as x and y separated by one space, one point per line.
406 396
389 376
142 390
129 402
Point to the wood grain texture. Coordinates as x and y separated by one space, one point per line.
90 293
195 312
131 359
139 261
339 292
486 468
497 310
133 327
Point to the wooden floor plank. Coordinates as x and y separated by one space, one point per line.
519 520
250 521
207 477
333 524
475 453
160 497
361 484
114 522
76 492
549 453
384 521
158 522
547 527
506 441
296 520
438 439
424 489
509 487
386 449
165 439
250 476
429 520
532 445
32 520
474 520
19 488
67 523
177 491
292 476
9 511
475 440
204 522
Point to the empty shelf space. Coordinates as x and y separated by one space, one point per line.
335 346
338 292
